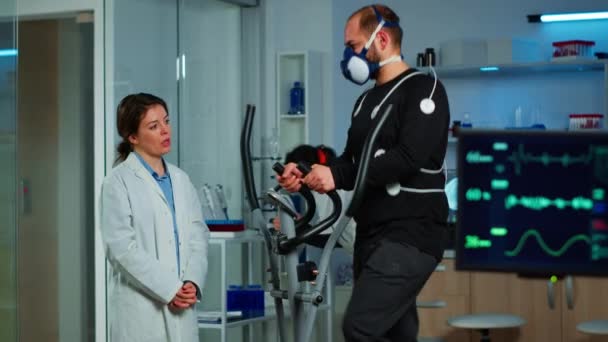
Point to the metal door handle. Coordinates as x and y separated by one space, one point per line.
25 197
183 66
551 294
570 292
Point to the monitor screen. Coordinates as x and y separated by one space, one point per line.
533 202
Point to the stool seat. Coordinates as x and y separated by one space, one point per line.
597 327
486 321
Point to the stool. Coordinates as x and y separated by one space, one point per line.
486 321
597 327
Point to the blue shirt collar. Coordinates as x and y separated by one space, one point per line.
150 169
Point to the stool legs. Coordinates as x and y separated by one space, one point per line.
485 335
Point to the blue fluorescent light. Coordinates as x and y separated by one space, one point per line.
489 68
548 18
8 52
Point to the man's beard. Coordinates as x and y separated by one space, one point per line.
373 57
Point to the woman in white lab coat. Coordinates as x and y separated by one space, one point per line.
153 231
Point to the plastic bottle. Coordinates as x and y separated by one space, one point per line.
296 98
222 203
207 202
234 298
430 57
466 121
420 62
255 300
273 145
518 117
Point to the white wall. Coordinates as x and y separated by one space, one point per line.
428 23
293 25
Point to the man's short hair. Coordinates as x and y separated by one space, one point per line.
368 21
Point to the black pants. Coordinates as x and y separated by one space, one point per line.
388 277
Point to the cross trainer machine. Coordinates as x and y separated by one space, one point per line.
303 300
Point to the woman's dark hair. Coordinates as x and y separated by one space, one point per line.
129 113
311 155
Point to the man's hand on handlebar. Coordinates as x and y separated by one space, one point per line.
291 178
320 179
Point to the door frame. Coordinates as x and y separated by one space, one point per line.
29 9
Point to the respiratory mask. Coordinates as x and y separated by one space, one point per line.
355 66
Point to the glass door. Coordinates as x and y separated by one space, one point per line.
141 57
55 202
211 114
46 178
211 108
188 53
143 37
8 187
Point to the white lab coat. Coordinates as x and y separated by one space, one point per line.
137 230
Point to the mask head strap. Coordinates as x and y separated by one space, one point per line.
381 23
381 19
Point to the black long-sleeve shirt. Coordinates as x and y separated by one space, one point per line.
410 150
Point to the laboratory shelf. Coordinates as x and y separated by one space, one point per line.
238 322
297 129
223 239
293 116
518 69
224 321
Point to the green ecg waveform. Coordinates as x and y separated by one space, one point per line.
540 202
520 157
554 253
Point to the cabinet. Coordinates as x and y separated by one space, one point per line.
304 128
530 298
550 315
507 293
588 301
447 293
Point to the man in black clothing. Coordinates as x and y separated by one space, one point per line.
402 222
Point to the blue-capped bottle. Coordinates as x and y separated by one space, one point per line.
296 98
235 298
